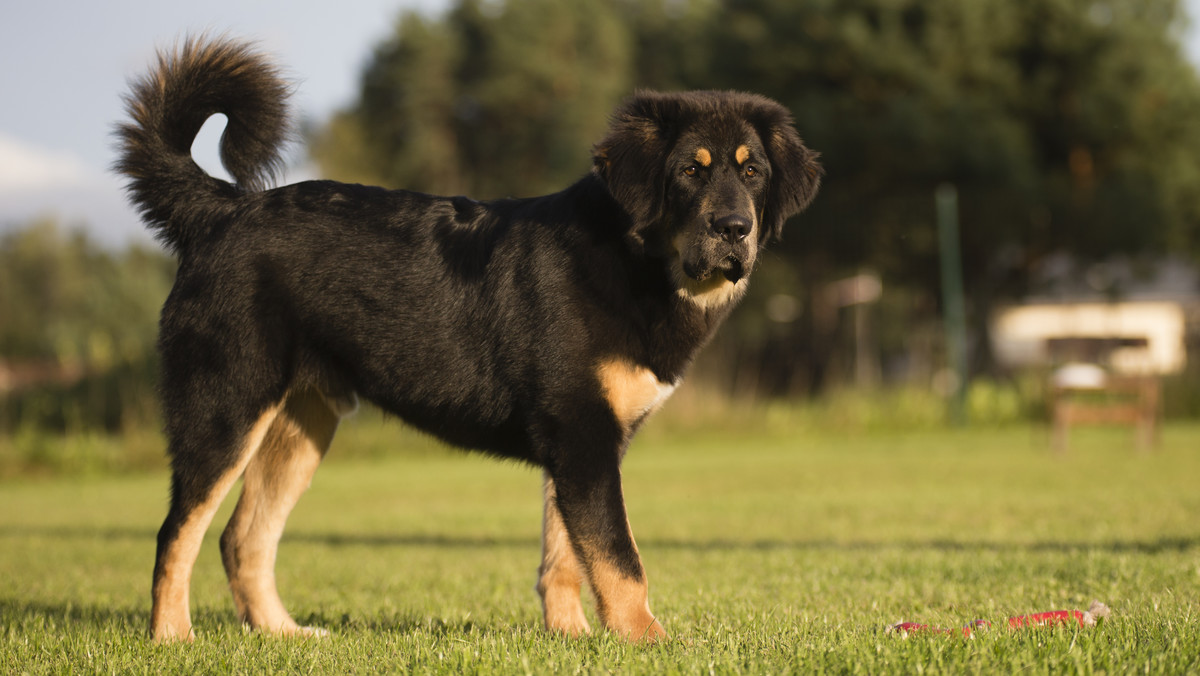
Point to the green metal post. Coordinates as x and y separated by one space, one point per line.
954 304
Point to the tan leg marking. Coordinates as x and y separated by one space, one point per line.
170 616
741 154
632 391
621 601
704 157
560 577
274 480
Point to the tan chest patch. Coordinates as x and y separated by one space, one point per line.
632 391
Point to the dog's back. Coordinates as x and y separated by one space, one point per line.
399 296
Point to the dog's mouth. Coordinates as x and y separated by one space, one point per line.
730 267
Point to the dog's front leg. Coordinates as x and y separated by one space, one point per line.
589 499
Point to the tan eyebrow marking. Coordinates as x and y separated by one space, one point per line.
741 154
704 157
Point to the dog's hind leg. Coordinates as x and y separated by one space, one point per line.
203 472
560 577
274 480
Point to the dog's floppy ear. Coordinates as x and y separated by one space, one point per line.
631 158
795 171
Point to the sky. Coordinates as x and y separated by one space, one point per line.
65 64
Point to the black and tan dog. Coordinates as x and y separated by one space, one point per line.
542 329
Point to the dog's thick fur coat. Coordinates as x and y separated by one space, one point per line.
542 329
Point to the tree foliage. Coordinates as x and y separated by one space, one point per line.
66 300
77 330
496 99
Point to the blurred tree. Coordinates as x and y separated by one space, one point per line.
65 299
80 323
497 99
671 47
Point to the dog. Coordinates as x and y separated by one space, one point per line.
543 329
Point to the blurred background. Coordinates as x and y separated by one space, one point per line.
1008 232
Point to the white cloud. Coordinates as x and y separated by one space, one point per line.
37 182
24 167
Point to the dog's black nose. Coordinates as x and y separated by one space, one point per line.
732 229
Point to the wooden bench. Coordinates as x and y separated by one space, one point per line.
1117 400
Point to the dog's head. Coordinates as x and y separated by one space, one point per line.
707 178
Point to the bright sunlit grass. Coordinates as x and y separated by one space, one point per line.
768 552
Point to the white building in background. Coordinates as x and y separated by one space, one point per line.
1131 338
1130 323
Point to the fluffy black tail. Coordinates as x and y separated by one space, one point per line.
177 199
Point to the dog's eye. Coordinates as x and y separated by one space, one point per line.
751 170
690 170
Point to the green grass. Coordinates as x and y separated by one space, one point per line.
768 551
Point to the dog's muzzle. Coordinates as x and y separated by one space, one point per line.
724 246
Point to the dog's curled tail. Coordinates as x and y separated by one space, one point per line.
168 106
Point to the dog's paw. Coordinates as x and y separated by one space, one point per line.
168 633
653 634
287 629
311 632
573 625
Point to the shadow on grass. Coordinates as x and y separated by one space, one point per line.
118 618
57 617
1154 546
409 623
16 612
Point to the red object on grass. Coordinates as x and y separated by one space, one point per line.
1085 618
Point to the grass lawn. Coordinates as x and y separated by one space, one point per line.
768 551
